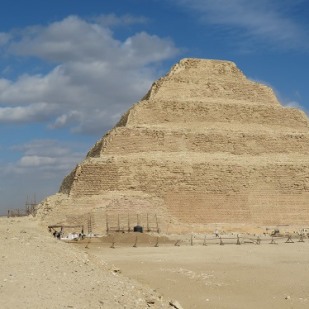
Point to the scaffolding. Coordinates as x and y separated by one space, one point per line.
126 222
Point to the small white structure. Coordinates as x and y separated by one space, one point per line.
70 236
304 230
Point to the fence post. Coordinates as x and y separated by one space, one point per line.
289 240
107 227
118 223
157 243
135 244
158 230
129 228
204 243
113 243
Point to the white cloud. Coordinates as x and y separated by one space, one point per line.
86 79
4 38
43 147
261 20
144 49
49 157
293 104
95 79
70 39
40 170
33 112
4 85
34 161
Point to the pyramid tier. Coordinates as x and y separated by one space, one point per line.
187 171
203 188
187 114
123 140
199 79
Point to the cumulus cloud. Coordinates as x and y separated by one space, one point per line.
262 20
94 79
84 80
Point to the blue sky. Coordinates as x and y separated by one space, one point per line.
70 68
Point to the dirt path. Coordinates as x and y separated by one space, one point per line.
230 276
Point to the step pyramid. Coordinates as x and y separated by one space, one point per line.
205 145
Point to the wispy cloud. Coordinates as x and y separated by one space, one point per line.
4 38
112 20
49 157
40 169
260 21
38 112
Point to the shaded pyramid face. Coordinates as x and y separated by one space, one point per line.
205 145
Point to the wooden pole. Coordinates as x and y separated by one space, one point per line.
135 244
289 240
137 219
107 227
148 223
113 243
157 224
177 243
157 243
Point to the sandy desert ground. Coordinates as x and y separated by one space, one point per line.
38 271
214 276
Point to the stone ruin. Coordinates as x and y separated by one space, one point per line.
204 146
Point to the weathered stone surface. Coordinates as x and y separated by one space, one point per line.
205 145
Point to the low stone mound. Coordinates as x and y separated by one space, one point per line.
131 238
